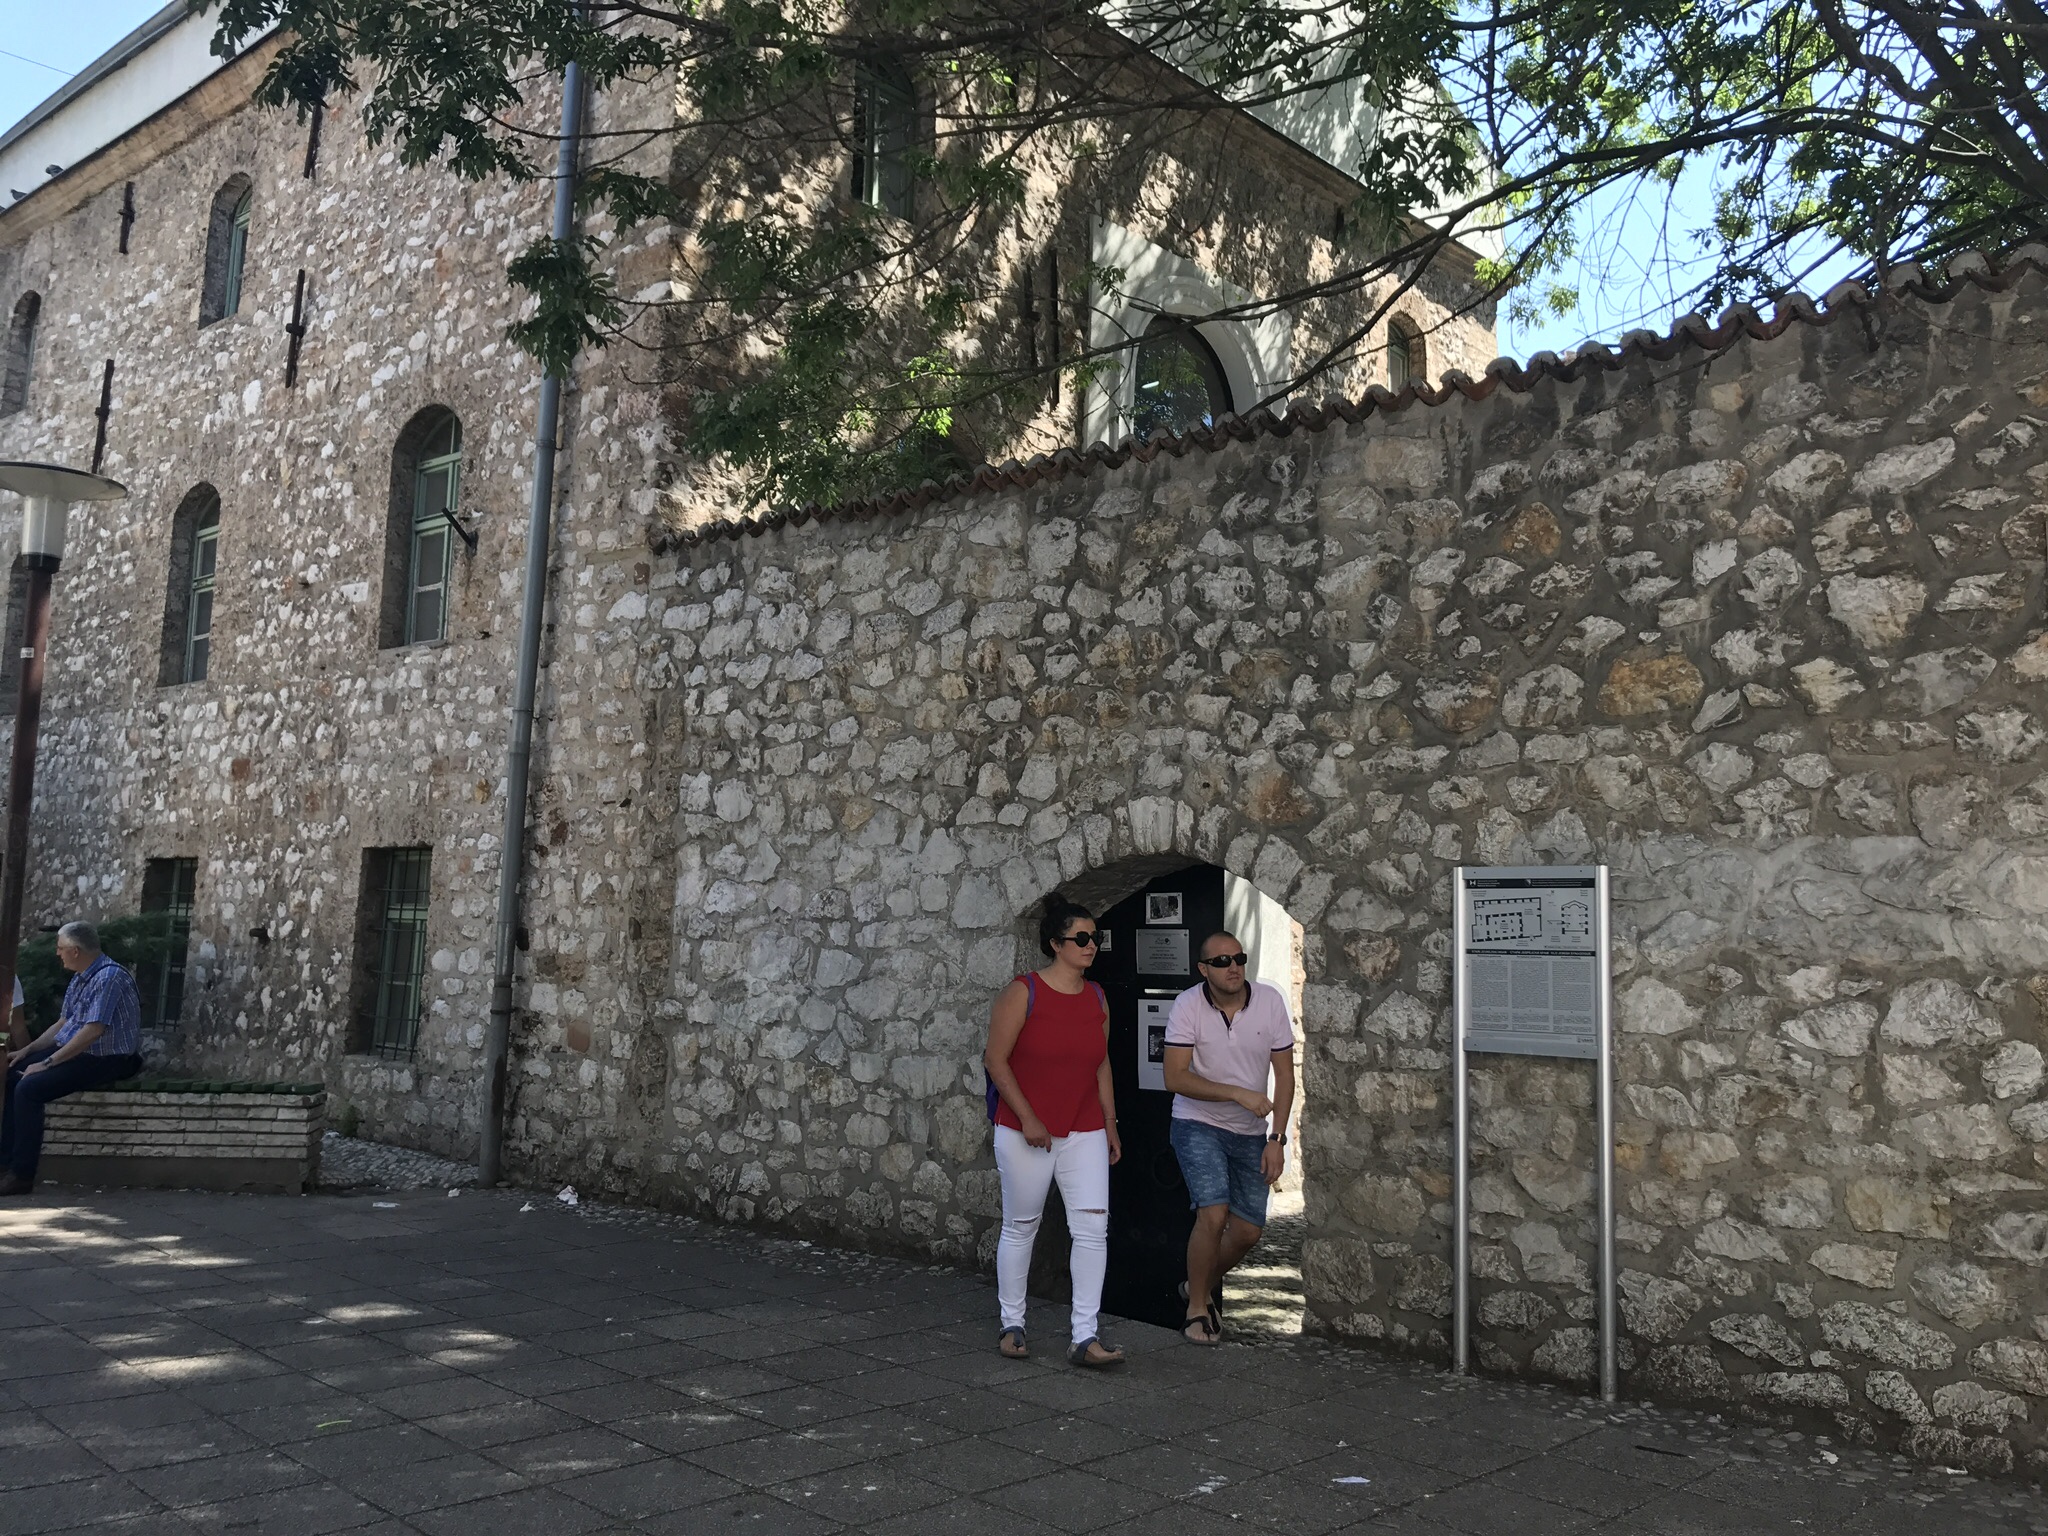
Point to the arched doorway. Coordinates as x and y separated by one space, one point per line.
1152 935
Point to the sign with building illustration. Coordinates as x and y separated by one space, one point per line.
1529 961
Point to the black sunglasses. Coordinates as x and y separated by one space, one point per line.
1085 940
1224 962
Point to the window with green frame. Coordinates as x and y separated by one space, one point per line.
227 250
238 253
391 950
168 886
199 600
436 482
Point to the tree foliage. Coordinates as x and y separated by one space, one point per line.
829 347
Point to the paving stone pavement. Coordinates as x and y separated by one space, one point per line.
497 1363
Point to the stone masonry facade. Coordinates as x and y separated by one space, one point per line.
1751 614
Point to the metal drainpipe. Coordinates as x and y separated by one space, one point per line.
519 749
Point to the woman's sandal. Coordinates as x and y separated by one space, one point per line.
1112 1354
1201 1330
1019 1351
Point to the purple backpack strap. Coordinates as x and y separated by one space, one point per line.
1030 1002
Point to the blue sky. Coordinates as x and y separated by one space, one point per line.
42 42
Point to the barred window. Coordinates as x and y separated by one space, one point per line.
391 950
167 888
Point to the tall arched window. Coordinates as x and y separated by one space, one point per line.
419 551
1180 383
194 565
885 128
20 359
227 249
1405 362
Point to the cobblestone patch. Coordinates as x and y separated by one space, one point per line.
349 1162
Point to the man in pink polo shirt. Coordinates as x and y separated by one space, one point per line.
1227 1040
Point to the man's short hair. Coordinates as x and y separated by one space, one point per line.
82 934
1202 949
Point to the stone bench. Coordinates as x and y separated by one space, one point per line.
176 1133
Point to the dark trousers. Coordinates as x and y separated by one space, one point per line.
21 1118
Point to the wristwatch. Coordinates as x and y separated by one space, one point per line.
1276 1136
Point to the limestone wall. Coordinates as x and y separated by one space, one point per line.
307 743
1752 615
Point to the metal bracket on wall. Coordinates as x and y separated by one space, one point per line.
297 331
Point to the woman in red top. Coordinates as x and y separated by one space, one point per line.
1048 1059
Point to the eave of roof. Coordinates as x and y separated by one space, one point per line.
116 57
1690 332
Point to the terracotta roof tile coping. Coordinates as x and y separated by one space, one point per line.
1908 279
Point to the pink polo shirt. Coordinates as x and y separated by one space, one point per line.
1239 1053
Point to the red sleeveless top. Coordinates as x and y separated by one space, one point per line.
1056 1056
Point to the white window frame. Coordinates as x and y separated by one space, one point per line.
1256 353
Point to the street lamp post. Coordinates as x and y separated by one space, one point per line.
48 492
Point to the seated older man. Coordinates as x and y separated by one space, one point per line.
98 1040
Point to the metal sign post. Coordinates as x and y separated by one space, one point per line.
1534 978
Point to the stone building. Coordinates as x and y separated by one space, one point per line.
1749 613
282 666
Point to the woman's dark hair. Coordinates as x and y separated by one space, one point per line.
1056 916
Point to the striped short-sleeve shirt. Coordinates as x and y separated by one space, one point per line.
104 993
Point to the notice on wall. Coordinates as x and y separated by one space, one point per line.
1531 961
1152 1012
1161 951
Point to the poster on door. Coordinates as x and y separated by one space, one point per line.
1152 1012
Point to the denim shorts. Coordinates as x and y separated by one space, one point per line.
1221 1168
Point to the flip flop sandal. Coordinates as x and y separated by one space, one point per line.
1215 1305
1111 1355
1022 1351
1200 1330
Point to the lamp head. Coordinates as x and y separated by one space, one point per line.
49 490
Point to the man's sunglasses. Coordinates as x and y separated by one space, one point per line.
1224 962
1084 940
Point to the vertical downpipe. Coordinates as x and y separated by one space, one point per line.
519 749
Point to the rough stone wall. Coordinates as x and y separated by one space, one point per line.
1753 616
307 743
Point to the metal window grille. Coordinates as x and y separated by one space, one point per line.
436 483
199 599
238 251
396 900
167 887
882 178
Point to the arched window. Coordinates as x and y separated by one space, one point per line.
20 360
194 564
885 128
419 550
1180 383
1405 362
227 250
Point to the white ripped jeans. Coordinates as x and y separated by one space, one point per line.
1080 1163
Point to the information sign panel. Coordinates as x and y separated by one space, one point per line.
1532 958
1531 961
1152 1012
1161 951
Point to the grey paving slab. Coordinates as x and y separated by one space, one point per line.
245 1365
